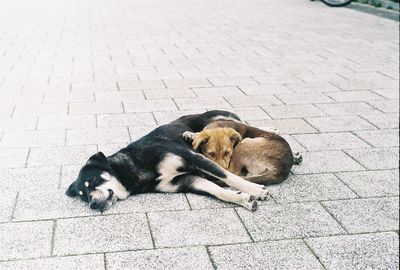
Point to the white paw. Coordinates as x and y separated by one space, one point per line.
250 203
188 136
262 194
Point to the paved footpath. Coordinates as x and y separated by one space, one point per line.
79 76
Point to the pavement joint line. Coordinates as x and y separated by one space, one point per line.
244 226
344 183
355 134
53 235
27 157
347 154
13 209
210 257
150 231
60 177
188 202
105 261
338 222
313 253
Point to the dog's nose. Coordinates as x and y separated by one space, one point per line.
94 205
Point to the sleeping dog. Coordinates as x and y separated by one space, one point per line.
162 161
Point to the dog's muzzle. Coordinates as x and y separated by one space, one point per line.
101 204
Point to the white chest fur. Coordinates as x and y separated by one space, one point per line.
168 169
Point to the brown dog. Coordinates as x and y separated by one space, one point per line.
261 157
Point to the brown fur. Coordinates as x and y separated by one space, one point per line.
262 157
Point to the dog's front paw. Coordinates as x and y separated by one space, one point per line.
250 203
189 136
262 194
297 158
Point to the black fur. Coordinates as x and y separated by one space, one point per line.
135 166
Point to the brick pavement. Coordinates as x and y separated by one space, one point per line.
81 76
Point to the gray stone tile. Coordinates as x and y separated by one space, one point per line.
13 158
372 183
339 123
169 116
378 251
293 111
186 83
387 120
294 145
232 81
250 113
150 202
284 254
66 122
31 109
65 155
125 96
303 188
95 261
226 91
376 158
296 220
7 202
121 120
18 124
380 138
49 205
177 258
169 93
32 179
366 215
25 240
265 89
390 93
348 108
139 85
285 126
95 107
102 234
202 103
326 161
68 97
344 96
387 106
97 135
330 141
33 139
251 101
150 105
309 87
199 227
68 174
137 132
304 98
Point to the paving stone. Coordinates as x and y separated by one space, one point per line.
339 123
178 258
102 234
296 220
150 202
202 103
95 107
25 240
139 85
303 188
285 126
97 135
309 87
390 93
68 97
326 161
13 158
186 83
32 138
150 105
18 124
348 108
7 202
226 91
265 89
293 111
250 113
199 227
386 106
251 101
125 96
32 109
267 255
6 110
330 141
95 261
383 121
32 179
380 138
294 145
138 132
66 155
372 183
49 205
66 122
232 81
169 116
121 120
366 215
68 174
365 251
169 93
303 98
376 158
353 96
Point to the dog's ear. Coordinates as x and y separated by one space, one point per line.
201 138
234 136
99 160
71 191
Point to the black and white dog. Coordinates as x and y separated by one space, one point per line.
162 161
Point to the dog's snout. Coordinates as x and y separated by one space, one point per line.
94 205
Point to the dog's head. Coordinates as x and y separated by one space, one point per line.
217 144
97 184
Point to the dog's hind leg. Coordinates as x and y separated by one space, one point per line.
199 185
